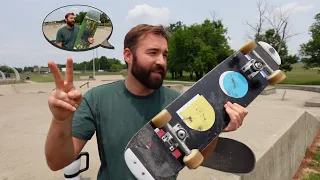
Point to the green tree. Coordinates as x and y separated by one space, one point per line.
28 69
116 67
79 17
310 51
105 20
173 27
197 48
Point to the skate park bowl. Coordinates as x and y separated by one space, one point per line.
281 124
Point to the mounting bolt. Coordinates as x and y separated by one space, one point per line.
181 134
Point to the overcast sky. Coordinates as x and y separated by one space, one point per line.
23 44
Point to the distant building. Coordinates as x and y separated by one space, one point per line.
41 70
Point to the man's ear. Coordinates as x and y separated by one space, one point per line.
127 55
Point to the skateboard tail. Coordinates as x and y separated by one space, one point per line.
136 167
231 156
147 156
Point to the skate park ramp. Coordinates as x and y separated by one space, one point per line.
278 128
104 77
30 87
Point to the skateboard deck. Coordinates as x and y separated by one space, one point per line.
176 136
88 28
231 156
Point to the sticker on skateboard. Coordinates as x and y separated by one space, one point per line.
233 84
176 137
198 114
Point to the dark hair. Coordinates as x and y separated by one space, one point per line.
132 37
67 15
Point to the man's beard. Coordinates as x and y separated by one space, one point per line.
70 23
144 75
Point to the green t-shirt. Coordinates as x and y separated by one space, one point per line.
115 114
67 36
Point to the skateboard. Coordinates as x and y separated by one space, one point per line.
230 156
88 28
177 135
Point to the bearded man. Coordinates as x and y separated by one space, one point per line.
115 111
67 35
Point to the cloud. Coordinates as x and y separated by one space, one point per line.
296 7
144 13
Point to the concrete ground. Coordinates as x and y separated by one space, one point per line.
25 119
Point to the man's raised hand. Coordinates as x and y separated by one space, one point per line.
64 100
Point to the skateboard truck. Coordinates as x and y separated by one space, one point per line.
252 68
252 52
255 65
178 134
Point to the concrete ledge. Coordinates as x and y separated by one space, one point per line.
269 90
283 159
279 145
177 87
299 87
313 102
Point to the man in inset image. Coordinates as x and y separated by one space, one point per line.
67 35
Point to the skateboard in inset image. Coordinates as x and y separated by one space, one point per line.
88 28
176 136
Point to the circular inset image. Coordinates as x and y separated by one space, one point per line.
77 28
233 84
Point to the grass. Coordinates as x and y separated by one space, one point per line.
297 76
300 76
310 166
312 176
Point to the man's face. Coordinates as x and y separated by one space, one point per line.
149 63
70 20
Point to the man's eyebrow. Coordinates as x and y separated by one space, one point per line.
156 49
153 49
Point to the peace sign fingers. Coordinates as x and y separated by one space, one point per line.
66 85
69 75
56 75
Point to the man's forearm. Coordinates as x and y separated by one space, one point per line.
59 148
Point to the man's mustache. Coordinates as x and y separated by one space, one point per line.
159 69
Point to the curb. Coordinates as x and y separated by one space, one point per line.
297 87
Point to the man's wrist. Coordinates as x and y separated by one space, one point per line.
63 122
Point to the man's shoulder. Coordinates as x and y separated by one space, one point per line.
170 92
62 29
105 89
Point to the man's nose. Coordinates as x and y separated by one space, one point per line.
162 60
